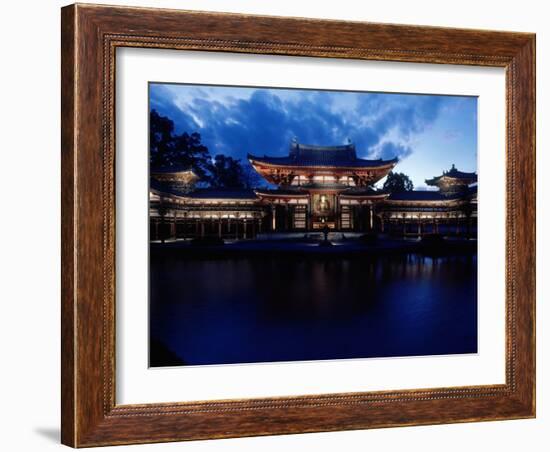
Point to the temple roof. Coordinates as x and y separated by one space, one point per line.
430 195
331 156
171 170
174 176
299 192
165 187
324 186
222 193
363 191
453 173
417 195
281 191
203 193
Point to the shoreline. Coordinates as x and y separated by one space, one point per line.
315 248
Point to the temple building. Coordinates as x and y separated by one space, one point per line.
314 188
321 186
179 210
451 210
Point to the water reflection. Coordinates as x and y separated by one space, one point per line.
280 309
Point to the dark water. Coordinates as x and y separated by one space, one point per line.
241 310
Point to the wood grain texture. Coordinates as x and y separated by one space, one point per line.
90 36
67 224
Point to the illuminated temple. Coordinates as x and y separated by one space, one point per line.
314 188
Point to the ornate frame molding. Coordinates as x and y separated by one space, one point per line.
90 37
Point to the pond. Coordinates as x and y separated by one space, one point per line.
228 310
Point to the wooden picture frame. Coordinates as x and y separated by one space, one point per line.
90 36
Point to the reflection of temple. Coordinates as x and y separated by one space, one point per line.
317 187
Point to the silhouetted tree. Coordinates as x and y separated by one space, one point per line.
227 172
168 149
398 182
160 137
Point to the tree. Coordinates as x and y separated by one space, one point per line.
227 172
167 149
170 150
160 138
397 183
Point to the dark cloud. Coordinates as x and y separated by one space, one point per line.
380 125
389 150
161 100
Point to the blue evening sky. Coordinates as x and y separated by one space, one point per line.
428 133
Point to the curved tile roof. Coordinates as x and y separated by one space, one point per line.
171 169
203 193
222 193
454 174
364 191
417 195
311 155
429 195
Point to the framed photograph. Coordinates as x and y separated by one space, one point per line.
281 225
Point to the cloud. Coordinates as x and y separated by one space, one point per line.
451 135
237 121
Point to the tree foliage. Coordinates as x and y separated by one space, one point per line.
397 183
226 172
167 149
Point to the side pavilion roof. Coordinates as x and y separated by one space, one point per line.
453 173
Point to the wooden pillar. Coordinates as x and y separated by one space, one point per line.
273 217
173 226
237 228
156 229
371 220
337 212
309 217
202 227
382 224
244 228
162 228
220 227
184 226
419 228
287 217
